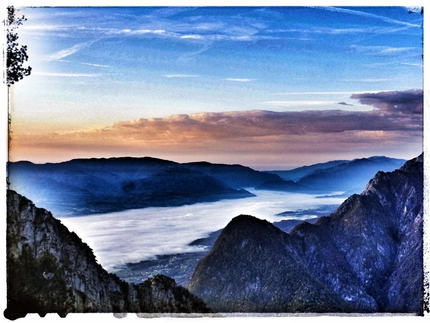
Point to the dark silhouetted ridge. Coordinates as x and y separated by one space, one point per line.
50 270
249 270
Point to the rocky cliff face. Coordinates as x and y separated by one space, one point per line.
365 257
49 269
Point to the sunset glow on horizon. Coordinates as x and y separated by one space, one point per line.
266 87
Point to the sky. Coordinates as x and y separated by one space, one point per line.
267 87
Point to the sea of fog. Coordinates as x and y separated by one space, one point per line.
118 238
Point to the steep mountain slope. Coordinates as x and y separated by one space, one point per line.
84 186
365 257
248 270
50 269
339 175
351 176
299 172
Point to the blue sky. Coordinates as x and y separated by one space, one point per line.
100 69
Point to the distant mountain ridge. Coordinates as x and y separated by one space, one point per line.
236 176
340 175
50 270
296 174
365 257
86 186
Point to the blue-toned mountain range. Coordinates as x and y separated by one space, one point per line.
367 256
87 186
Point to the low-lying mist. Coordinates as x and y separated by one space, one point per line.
133 235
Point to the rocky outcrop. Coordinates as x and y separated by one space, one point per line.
365 257
49 269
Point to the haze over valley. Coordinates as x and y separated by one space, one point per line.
170 230
162 206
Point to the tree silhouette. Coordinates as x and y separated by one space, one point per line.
16 55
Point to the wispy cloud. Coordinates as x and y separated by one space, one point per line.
191 37
317 30
242 80
382 50
67 74
369 15
296 103
368 80
145 31
419 65
96 65
205 46
68 51
180 75
315 93
108 32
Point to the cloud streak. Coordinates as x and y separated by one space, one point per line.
296 103
68 74
180 75
369 15
68 51
384 50
241 80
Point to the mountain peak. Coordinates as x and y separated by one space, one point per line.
243 230
359 259
249 270
244 220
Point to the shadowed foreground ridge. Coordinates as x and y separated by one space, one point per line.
365 257
50 270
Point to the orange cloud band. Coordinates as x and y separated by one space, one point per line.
247 133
